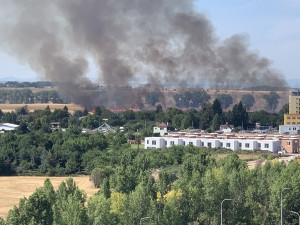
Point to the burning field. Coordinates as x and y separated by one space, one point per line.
32 107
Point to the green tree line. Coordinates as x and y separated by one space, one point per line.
38 149
190 195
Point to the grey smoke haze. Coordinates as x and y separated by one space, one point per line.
165 41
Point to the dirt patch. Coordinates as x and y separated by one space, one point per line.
260 162
244 157
13 188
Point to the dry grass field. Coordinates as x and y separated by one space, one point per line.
32 107
12 188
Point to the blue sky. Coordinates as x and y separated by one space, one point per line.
273 28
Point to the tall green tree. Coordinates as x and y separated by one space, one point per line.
240 116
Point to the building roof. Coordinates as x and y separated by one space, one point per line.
8 126
226 126
162 125
235 136
105 128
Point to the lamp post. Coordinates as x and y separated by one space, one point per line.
144 218
226 199
297 215
281 214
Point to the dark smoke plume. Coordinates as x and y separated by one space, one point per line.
165 42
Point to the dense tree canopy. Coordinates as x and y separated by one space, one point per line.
190 195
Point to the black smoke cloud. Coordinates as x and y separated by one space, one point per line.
165 42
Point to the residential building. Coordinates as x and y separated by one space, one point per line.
291 119
233 141
226 128
290 145
289 129
160 129
294 102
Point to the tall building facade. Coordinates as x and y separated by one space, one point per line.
294 102
293 118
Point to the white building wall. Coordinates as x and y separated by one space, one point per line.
210 143
154 142
160 130
192 141
233 144
229 144
289 129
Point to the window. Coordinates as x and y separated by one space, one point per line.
161 128
183 143
266 145
153 142
288 143
293 123
240 145
166 142
172 143
228 145
221 144
247 145
294 128
190 143
288 123
259 145
147 141
208 144
288 117
293 118
202 143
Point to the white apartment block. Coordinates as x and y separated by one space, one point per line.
289 129
270 143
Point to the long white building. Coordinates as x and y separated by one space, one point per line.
265 142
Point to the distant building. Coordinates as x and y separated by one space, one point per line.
233 141
55 125
293 118
289 129
294 102
7 127
226 128
161 129
290 145
105 128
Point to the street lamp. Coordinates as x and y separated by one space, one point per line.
144 218
297 215
281 216
226 199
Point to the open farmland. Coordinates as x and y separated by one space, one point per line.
12 188
32 107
